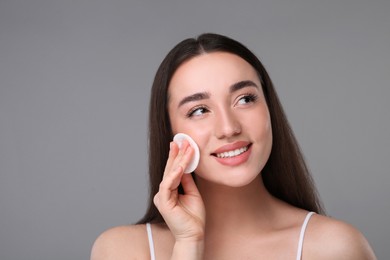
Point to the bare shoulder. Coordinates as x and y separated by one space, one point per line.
123 242
328 238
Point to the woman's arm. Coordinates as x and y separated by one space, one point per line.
183 213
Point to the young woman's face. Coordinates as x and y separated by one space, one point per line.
217 99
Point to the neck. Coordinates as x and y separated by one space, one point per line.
236 208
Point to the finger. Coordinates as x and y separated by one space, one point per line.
176 159
172 180
173 151
184 155
189 186
168 192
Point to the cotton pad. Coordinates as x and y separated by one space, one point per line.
178 139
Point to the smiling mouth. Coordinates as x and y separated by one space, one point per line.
232 153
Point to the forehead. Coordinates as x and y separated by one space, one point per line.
209 71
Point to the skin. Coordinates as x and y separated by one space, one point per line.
243 220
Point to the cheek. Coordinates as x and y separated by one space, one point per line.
265 128
260 129
200 134
198 131
265 134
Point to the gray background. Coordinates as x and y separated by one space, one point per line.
74 89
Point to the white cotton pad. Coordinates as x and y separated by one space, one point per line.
178 139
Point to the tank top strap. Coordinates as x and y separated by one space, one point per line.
302 234
150 239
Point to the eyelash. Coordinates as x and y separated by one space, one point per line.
251 98
192 111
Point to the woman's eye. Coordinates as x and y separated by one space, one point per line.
247 99
197 111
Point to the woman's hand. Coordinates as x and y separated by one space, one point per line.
183 213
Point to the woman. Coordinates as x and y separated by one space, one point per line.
251 196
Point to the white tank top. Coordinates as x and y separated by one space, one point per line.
300 242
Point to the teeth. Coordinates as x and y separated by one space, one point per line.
232 153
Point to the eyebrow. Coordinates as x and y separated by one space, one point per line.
242 84
194 97
205 95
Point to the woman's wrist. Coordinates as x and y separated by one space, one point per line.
188 249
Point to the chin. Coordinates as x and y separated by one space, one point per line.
234 178
239 181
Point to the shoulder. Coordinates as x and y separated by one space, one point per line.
328 238
123 242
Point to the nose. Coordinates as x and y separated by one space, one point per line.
227 124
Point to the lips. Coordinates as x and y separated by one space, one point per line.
231 147
233 154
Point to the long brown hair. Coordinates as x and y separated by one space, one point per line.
285 174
